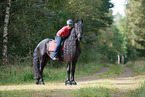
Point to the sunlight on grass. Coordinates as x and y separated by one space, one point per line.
109 84
106 87
128 83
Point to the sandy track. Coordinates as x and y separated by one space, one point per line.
123 82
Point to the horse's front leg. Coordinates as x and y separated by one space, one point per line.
67 82
73 72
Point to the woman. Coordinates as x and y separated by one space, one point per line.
61 34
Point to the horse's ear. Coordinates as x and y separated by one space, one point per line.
76 20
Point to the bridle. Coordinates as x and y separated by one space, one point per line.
78 30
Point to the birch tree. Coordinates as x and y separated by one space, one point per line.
5 33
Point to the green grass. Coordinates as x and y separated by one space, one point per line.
23 74
141 91
89 68
20 74
103 88
92 92
113 71
97 91
16 74
137 66
84 92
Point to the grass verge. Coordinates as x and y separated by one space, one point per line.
137 66
20 74
100 88
113 71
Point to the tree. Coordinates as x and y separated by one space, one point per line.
111 43
5 33
33 20
135 30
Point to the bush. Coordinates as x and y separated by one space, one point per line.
27 76
137 66
16 73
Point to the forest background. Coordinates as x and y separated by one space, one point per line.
105 39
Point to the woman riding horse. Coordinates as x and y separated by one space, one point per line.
69 55
61 34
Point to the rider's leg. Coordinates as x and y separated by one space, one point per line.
59 40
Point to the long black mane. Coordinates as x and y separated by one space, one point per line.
70 46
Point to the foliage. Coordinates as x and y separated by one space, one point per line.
134 28
111 43
33 20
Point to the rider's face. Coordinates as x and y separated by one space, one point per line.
70 26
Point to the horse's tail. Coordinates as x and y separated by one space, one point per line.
36 64
39 52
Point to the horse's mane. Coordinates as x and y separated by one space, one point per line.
70 46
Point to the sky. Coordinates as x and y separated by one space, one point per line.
119 6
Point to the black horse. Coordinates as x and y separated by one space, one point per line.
69 55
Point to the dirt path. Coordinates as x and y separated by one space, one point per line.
127 73
89 78
122 82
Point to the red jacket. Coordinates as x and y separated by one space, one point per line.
63 32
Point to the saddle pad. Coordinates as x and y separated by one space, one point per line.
52 46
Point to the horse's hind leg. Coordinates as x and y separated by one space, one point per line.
42 65
36 65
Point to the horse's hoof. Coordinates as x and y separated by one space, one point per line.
41 83
73 83
68 83
37 82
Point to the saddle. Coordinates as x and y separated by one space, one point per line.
51 47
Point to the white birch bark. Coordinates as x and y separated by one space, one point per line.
5 33
118 59
122 60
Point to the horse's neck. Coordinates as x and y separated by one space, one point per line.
72 35
71 40
70 45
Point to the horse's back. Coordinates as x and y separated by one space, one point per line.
41 48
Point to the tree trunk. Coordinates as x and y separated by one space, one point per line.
122 60
118 59
5 33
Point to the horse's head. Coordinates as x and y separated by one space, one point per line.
79 29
